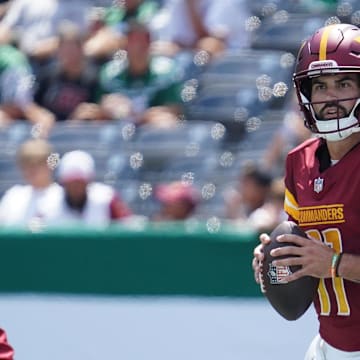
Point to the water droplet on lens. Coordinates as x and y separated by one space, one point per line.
136 160
213 225
208 191
145 190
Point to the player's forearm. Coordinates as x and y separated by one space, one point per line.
349 267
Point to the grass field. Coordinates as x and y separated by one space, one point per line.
126 328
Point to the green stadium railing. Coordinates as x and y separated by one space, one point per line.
154 260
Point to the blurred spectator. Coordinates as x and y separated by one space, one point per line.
84 200
178 201
24 205
209 25
68 86
249 194
16 98
33 25
271 213
142 87
292 133
110 25
4 6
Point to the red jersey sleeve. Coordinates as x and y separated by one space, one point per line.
6 351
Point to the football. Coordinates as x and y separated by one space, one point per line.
290 300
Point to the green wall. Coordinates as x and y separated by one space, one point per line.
156 260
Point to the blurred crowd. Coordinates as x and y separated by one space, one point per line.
102 60
111 61
66 193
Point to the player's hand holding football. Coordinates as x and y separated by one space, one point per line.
312 255
259 256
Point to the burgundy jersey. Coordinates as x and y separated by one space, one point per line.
6 351
325 201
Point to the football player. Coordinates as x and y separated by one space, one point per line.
322 184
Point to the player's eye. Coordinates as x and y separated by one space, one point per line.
345 84
318 87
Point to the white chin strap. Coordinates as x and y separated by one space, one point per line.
329 129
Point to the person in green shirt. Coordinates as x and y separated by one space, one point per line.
139 86
111 26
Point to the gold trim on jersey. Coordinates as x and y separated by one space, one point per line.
313 215
290 205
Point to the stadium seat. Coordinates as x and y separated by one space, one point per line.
119 166
138 195
246 66
13 135
159 146
197 168
229 104
88 136
287 33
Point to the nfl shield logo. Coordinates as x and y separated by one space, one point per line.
318 184
276 274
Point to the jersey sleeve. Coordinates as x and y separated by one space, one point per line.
291 205
6 351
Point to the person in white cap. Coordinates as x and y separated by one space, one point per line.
84 200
